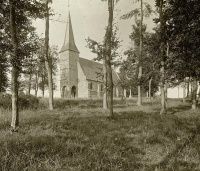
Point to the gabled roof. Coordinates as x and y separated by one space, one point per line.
94 71
69 43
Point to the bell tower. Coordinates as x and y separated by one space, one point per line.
69 57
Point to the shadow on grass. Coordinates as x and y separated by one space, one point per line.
179 108
171 161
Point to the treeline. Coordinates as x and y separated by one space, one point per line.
169 55
29 59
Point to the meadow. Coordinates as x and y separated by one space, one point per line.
78 136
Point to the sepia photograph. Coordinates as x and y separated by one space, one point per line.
99 85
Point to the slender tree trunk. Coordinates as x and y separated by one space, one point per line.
165 84
162 69
29 83
194 93
15 71
139 103
43 85
108 58
48 62
105 103
184 91
150 83
36 83
188 88
30 76
130 93
165 89
191 90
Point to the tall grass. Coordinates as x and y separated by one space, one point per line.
80 137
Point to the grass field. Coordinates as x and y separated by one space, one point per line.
78 136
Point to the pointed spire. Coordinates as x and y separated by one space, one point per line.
69 43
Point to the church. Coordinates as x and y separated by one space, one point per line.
80 77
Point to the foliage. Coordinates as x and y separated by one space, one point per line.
25 101
183 35
150 59
36 69
25 10
136 12
3 72
97 47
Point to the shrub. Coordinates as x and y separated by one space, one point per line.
28 102
25 101
5 101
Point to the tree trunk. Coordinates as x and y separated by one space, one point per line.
150 83
165 89
130 93
105 103
188 88
29 83
162 69
30 76
43 81
36 83
184 91
194 93
139 103
48 61
15 71
108 58
191 89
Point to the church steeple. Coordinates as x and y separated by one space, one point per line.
69 43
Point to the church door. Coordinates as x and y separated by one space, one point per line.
73 92
65 92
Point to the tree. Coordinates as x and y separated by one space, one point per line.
183 62
15 68
35 73
97 48
159 4
107 50
150 76
140 13
42 70
48 60
16 24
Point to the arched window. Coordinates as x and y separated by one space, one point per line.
90 86
101 89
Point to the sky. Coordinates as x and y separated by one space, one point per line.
89 19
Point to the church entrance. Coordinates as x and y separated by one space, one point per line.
65 92
73 92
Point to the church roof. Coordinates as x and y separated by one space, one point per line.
69 43
94 71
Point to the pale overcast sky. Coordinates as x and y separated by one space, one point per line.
89 19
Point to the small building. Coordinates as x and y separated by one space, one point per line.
80 77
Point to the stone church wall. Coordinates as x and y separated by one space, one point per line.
95 89
82 84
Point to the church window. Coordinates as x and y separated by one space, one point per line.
101 89
90 86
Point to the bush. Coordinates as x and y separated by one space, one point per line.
25 101
28 102
5 101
